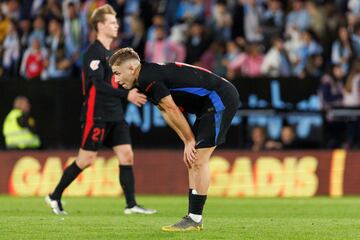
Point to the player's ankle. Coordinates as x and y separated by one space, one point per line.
195 217
131 205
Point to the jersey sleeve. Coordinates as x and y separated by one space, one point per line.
95 67
155 90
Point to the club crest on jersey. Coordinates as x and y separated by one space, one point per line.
94 64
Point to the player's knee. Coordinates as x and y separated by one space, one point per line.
85 161
199 163
127 158
196 166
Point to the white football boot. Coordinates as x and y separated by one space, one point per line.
138 209
55 206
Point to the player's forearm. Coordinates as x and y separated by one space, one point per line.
172 125
177 121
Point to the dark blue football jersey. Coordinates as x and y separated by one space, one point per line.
194 89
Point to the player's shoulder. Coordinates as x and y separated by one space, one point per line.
95 50
157 67
152 69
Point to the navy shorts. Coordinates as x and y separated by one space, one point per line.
110 134
210 127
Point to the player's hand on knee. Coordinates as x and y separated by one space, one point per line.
189 153
136 97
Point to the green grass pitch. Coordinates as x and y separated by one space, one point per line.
225 218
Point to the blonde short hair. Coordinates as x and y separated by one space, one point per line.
122 55
99 15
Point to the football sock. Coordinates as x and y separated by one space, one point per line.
127 183
196 218
197 203
70 173
189 198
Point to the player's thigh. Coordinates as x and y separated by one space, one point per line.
85 158
203 155
125 154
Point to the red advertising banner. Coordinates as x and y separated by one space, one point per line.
233 173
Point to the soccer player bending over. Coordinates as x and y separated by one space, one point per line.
176 88
102 115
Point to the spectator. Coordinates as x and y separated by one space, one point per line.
38 31
32 8
356 40
232 53
24 34
309 47
11 55
177 39
331 95
76 3
196 44
130 8
314 66
272 21
170 9
276 61
157 20
59 64
51 10
11 9
352 87
161 49
354 7
19 127
212 58
156 49
237 29
190 10
221 22
253 31
72 31
137 39
298 18
317 19
293 43
331 88
4 24
258 139
342 50
332 23
288 140
248 64
352 99
34 60
25 9
256 20
273 17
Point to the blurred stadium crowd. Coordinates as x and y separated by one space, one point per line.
45 39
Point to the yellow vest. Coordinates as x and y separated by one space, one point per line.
17 136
